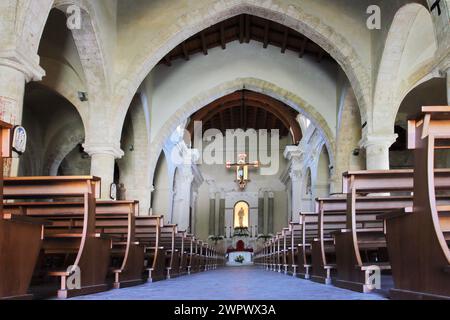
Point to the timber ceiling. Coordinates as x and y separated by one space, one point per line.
246 28
248 110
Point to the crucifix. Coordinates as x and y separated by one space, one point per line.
242 167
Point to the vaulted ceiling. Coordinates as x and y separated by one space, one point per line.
246 28
248 110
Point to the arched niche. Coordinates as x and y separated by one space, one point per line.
241 215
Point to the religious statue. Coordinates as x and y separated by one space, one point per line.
241 215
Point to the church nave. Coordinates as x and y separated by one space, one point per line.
234 283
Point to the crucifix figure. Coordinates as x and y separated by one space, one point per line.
242 168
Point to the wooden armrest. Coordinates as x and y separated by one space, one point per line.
61 273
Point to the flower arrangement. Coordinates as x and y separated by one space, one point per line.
239 259
264 237
215 238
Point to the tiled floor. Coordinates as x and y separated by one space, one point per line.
233 283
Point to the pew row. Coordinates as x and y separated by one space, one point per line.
81 254
421 263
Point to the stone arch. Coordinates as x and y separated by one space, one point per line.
291 16
390 82
90 48
252 84
67 89
61 146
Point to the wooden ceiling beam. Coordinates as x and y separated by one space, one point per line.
285 40
255 118
266 34
204 45
241 28
222 36
247 28
303 47
320 55
167 61
231 118
185 51
222 122
264 121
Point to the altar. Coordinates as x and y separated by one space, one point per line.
240 258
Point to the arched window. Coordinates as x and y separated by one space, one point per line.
241 214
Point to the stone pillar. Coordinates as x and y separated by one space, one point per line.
103 158
194 212
377 150
261 212
182 197
295 156
222 215
212 214
270 215
15 71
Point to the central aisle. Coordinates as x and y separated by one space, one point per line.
233 283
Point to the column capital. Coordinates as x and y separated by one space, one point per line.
26 63
293 153
381 140
109 149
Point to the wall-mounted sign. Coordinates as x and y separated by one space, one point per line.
19 142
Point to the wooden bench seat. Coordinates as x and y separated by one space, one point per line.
148 233
115 220
419 263
78 244
20 238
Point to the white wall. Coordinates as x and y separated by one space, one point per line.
174 86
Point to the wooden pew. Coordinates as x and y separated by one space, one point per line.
180 245
361 245
196 260
286 252
295 239
148 232
190 253
309 231
172 255
418 237
84 249
20 238
115 219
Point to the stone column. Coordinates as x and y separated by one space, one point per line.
222 215
182 197
16 68
295 156
261 212
194 212
270 215
377 150
103 158
212 214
